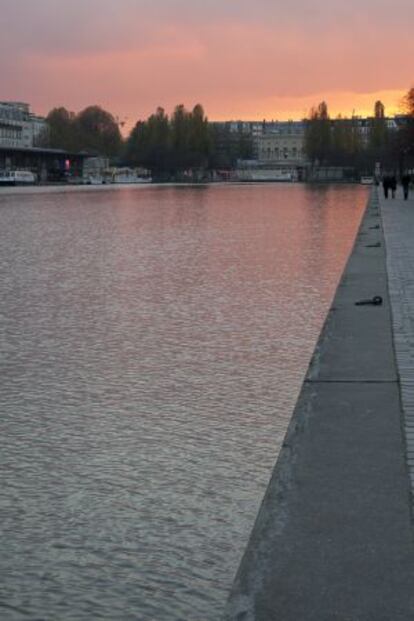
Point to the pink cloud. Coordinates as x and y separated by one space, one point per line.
237 58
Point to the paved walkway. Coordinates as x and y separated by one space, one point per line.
333 540
398 222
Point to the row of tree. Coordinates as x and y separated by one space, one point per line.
360 143
94 130
165 145
168 145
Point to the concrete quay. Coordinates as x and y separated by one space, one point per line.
398 223
333 540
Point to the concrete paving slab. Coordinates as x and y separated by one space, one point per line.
333 539
398 224
356 341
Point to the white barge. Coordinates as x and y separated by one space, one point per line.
17 177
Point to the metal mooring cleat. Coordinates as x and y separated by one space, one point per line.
375 301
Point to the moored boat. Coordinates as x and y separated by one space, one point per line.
272 175
94 180
128 176
17 177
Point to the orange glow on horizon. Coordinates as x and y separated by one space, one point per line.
285 109
339 104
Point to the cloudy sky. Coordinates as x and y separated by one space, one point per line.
241 59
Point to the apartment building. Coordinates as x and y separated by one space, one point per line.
282 143
19 127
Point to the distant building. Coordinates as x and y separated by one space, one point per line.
19 127
282 143
280 146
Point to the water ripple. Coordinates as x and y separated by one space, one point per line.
153 343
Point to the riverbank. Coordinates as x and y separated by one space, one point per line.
333 538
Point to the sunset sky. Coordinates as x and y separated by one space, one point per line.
248 60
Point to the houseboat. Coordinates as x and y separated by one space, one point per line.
17 177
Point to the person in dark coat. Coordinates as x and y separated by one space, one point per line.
386 185
405 182
393 184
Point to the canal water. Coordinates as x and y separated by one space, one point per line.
153 342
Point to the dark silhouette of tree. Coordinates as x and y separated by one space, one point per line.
379 110
318 135
403 143
62 131
224 150
379 139
408 102
340 142
228 146
200 143
180 138
94 130
168 146
98 132
149 143
346 146
159 141
137 145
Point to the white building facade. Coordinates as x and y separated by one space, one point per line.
282 144
19 127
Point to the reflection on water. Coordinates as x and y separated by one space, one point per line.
153 342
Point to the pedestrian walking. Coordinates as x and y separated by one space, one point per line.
393 184
386 185
405 182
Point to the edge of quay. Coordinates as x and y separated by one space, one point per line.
333 539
